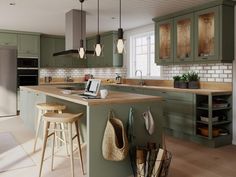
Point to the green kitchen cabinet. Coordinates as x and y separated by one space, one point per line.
183 38
52 44
60 61
28 45
92 60
202 34
109 57
46 51
164 42
214 34
8 39
206 34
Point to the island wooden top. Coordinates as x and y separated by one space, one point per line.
113 97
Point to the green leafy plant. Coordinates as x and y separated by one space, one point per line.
184 77
193 76
177 78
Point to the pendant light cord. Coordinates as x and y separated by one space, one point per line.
98 16
81 19
120 13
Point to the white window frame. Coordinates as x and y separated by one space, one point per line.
130 35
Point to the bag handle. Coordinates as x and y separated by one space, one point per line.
111 114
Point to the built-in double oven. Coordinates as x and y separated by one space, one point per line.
27 71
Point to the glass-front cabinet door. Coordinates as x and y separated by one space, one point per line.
183 38
164 42
207 34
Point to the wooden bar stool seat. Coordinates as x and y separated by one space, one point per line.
42 109
64 118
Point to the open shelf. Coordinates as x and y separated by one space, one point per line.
212 107
214 123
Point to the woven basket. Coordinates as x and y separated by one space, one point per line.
115 145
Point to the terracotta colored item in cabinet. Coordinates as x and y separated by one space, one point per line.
165 44
206 34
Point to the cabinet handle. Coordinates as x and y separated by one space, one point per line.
204 58
163 92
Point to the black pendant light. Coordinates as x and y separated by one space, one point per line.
120 42
98 46
81 49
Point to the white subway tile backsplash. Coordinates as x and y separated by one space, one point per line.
219 72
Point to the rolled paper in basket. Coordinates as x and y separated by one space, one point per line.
140 162
158 163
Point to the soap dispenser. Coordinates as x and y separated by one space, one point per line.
118 78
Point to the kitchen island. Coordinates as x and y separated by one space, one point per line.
94 122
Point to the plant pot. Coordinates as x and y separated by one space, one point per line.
183 84
176 84
194 85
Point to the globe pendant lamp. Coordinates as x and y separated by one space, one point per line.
120 42
81 49
98 46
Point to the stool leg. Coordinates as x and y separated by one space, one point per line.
71 148
53 145
40 113
79 144
64 137
46 127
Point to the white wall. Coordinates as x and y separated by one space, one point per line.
234 83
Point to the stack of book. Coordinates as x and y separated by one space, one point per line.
150 161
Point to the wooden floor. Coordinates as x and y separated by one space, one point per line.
189 159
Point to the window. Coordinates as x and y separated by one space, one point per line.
142 54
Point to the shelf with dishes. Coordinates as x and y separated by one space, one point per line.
214 117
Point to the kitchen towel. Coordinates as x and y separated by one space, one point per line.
149 122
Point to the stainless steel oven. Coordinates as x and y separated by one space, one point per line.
27 77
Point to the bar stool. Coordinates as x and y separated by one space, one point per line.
65 118
44 108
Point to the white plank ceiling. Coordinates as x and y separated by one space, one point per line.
48 16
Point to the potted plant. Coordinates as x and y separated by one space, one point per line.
176 81
193 80
183 83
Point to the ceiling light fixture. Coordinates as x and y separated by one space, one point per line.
120 42
98 46
81 49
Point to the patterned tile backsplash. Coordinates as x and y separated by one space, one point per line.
220 72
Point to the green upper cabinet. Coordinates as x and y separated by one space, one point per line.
52 44
215 34
109 58
28 45
164 42
8 39
207 34
203 34
46 51
183 38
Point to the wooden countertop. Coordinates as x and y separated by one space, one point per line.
172 89
113 97
161 88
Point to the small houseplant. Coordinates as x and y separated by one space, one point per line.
183 83
176 81
193 80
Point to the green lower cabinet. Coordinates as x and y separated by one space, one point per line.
8 39
178 116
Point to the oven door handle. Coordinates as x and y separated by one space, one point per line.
25 75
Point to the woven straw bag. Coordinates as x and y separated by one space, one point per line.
115 145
